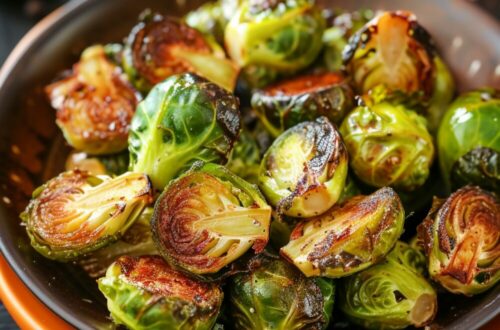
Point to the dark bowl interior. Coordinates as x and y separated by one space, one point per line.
31 149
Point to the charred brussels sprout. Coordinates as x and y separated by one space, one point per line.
303 98
390 295
76 213
105 164
304 171
388 145
468 143
159 47
392 50
94 104
208 218
274 295
244 160
183 119
349 237
461 237
145 293
269 38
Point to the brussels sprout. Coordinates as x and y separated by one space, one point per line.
244 160
95 104
391 294
468 142
461 238
336 36
304 171
105 164
392 50
159 47
183 119
274 295
303 98
388 145
209 217
350 190
268 38
136 241
145 293
349 237
76 212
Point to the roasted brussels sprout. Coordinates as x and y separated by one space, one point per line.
244 160
268 38
76 213
304 171
115 164
95 104
349 237
274 295
336 36
136 241
388 145
183 119
391 294
392 50
209 217
161 46
146 293
303 98
461 237
468 143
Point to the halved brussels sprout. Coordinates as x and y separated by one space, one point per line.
115 164
391 294
461 237
349 237
146 293
275 295
76 212
136 241
392 50
184 119
245 158
209 217
95 104
161 46
468 143
388 145
303 98
304 171
268 38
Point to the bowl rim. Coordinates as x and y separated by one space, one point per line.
61 16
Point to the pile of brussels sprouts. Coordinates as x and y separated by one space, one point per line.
251 185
